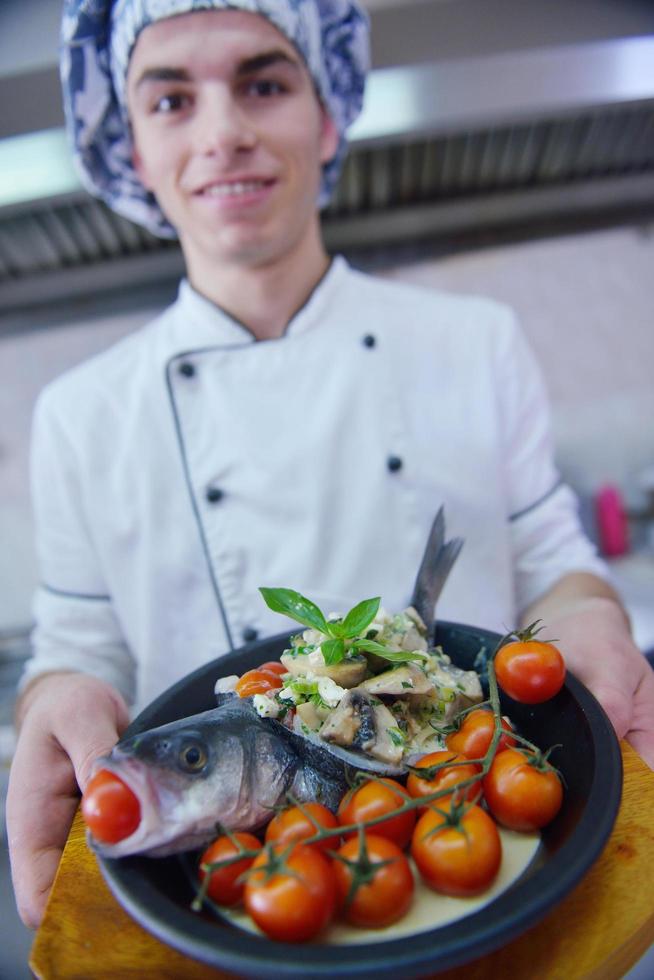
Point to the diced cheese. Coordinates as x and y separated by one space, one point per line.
224 685
330 692
264 706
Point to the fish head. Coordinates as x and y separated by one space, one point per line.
190 777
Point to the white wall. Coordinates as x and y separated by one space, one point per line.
586 302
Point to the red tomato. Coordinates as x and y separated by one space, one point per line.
291 898
530 670
294 824
224 888
384 898
373 799
460 860
522 793
273 667
447 778
257 682
110 809
474 736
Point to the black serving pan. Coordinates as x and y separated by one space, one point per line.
157 892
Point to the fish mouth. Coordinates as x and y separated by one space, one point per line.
138 779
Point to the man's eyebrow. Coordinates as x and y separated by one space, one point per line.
246 67
163 75
265 60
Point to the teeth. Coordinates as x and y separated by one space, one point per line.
232 190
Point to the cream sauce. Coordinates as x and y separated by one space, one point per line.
429 909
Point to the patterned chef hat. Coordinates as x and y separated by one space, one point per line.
98 38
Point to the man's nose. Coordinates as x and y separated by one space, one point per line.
223 128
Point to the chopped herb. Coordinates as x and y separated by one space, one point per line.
408 684
397 738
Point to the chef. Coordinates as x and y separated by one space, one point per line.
288 421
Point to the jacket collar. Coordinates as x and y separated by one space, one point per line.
193 322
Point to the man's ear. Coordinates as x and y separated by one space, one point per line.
329 137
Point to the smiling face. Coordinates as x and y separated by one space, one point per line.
230 137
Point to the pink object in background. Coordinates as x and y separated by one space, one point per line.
611 521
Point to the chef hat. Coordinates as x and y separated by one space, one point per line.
98 38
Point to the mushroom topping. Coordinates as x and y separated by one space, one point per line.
308 715
400 682
362 722
464 682
348 673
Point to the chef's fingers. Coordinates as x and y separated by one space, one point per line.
641 733
617 702
67 724
41 802
96 729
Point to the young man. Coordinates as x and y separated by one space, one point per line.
287 421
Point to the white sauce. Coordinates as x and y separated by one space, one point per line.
429 909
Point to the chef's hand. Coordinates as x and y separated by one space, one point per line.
66 721
586 618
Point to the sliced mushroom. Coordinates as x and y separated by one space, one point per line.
465 682
362 722
308 714
347 673
402 681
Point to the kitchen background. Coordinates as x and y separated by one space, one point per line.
515 162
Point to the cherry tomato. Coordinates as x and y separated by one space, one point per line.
110 809
522 793
291 896
257 682
474 736
530 671
293 825
460 860
273 667
224 887
387 896
446 778
373 799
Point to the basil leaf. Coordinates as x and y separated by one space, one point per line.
296 606
333 651
360 616
335 628
394 656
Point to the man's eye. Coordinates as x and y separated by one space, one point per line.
171 103
265 87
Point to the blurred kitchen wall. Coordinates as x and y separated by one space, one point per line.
585 298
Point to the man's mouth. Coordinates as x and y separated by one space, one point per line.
234 188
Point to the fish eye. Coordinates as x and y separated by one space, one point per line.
193 757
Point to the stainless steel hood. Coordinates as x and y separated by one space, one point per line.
483 143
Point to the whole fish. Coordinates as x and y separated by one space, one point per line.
225 766
231 767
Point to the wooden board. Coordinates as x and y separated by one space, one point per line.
596 933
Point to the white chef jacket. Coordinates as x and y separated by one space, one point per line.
188 465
